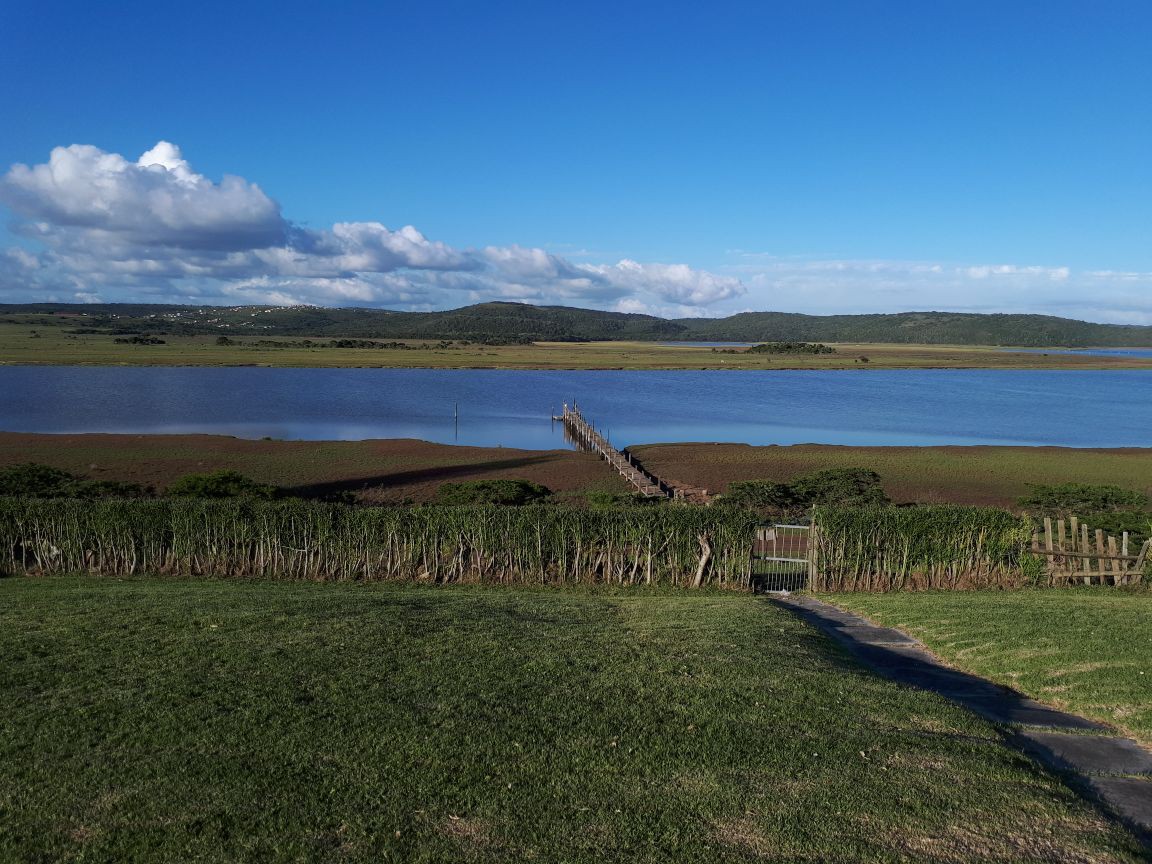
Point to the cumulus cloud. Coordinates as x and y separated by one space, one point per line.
674 283
155 229
95 225
156 201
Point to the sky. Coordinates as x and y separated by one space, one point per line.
681 159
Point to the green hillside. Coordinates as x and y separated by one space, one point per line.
923 328
519 322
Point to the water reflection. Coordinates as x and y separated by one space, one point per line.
514 408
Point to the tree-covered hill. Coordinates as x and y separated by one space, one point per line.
925 328
520 322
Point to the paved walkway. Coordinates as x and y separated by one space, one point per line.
1108 769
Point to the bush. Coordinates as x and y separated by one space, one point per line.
857 487
847 487
763 495
109 489
1077 499
220 484
505 492
791 348
32 480
139 340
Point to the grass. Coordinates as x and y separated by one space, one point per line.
1088 650
52 345
992 476
377 471
390 471
188 721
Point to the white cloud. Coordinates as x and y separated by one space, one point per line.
675 283
155 228
97 225
837 286
158 200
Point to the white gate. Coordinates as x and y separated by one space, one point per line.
780 558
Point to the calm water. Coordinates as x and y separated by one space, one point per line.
512 408
1091 352
710 344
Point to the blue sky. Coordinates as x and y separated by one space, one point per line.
677 158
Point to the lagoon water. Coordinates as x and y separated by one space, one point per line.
1089 352
513 408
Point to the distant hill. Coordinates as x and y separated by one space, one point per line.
925 328
523 322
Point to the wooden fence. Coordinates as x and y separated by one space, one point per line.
1075 553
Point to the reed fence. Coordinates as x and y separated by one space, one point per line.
674 546
918 548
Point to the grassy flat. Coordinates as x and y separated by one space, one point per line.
53 346
385 471
994 476
1088 650
378 471
186 721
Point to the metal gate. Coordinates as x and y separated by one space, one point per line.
780 559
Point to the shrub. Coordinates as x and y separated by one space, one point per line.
139 340
505 492
764 496
220 484
1066 499
791 348
109 489
856 487
33 480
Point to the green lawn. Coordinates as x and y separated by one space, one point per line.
243 721
1085 649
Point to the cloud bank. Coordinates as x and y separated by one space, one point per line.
95 226
100 226
827 287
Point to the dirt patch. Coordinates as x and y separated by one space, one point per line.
379 471
472 833
746 835
1034 842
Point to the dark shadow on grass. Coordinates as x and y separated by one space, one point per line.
911 665
420 475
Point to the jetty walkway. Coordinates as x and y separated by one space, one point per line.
586 436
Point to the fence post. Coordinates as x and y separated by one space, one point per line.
813 542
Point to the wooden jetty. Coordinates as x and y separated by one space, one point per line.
589 438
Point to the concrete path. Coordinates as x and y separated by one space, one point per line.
1111 770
